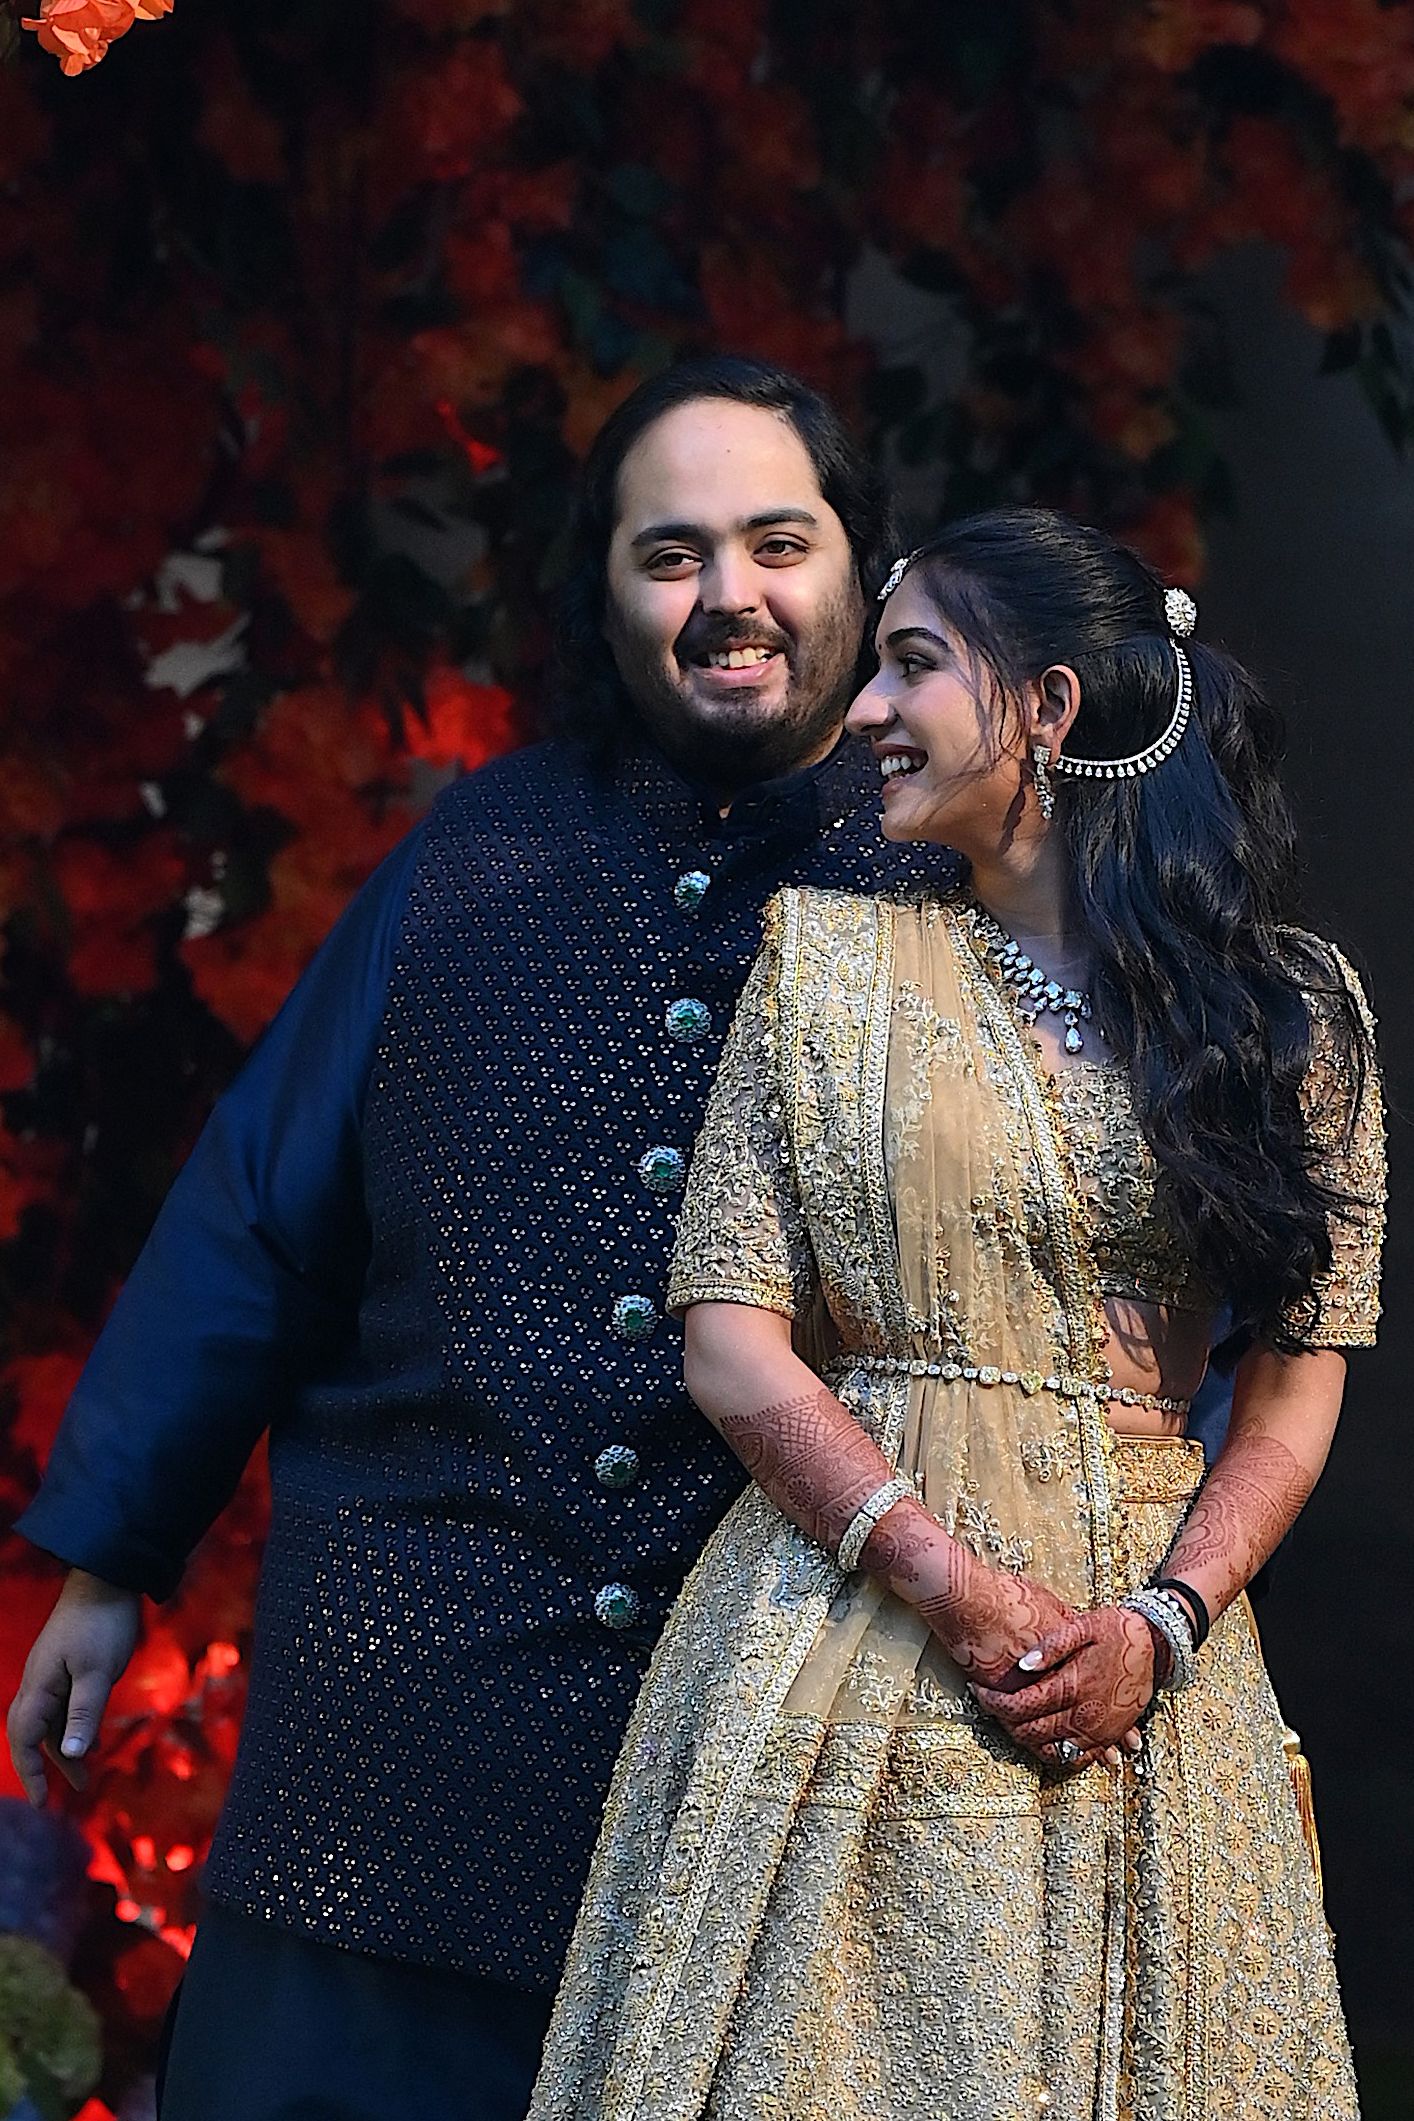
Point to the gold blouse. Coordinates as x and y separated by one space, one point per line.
1125 1197
742 1236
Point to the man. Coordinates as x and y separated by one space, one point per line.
424 1240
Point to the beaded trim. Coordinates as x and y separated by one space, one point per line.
1061 1383
1128 769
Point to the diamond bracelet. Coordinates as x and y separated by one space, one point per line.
1170 1618
870 1512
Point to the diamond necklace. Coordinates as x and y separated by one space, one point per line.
1031 991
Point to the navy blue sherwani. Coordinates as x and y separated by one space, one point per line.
424 1241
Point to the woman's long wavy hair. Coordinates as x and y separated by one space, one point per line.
1184 882
588 703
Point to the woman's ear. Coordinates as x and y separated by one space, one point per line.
1055 702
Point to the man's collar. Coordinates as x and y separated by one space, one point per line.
805 801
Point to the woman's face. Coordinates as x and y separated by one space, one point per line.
954 755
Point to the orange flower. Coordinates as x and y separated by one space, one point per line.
79 32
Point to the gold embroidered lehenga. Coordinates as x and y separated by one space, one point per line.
827 1887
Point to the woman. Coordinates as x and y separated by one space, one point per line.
957 1787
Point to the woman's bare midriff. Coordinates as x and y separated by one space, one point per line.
1158 1349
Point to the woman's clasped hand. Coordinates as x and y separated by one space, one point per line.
1086 1684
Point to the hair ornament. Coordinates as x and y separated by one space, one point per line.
897 572
1163 747
1181 612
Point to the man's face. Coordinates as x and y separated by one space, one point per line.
733 610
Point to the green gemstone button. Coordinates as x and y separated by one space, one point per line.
616 1606
690 890
662 1170
617 1467
687 1021
634 1317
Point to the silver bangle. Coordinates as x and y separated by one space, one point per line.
856 1535
1173 1621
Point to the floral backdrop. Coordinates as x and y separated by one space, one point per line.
307 310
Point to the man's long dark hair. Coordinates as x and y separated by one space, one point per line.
588 702
1184 884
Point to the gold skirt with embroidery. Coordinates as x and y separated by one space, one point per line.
886 1912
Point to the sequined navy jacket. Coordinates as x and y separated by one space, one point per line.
424 1239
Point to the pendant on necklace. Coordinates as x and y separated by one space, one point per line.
1033 994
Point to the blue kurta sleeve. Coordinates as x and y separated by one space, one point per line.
249 1280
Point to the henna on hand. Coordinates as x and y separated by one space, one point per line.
1094 1697
985 1618
816 1463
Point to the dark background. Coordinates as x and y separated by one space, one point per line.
1311 582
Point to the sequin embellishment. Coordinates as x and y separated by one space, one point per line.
687 1021
617 1466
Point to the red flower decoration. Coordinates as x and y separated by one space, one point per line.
462 722
79 32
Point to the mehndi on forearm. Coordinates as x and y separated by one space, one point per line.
811 1457
1244 1509
809 1454
818 1466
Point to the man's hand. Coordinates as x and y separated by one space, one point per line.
80 1653
1095 1680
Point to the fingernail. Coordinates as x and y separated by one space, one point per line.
71 1748
1030 1662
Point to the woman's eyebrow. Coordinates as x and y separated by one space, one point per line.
916 633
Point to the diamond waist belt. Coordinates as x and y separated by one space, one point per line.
1060 1383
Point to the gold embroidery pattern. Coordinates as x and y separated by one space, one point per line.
827 1888
1346 1132
1137 1249
741 1236
921 1935
1075 1275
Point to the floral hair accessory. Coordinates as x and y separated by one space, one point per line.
1181 612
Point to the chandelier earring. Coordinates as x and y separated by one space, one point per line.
1041 769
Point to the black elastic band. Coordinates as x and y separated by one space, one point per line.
1202 1618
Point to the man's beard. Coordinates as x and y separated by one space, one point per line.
736 742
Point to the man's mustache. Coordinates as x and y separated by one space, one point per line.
718 637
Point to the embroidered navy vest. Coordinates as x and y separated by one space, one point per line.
481 1520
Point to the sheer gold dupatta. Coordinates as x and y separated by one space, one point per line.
788 1709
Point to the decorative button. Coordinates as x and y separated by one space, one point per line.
616 1606
617 1467
690 890
687 1021
662 1170
634 1317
